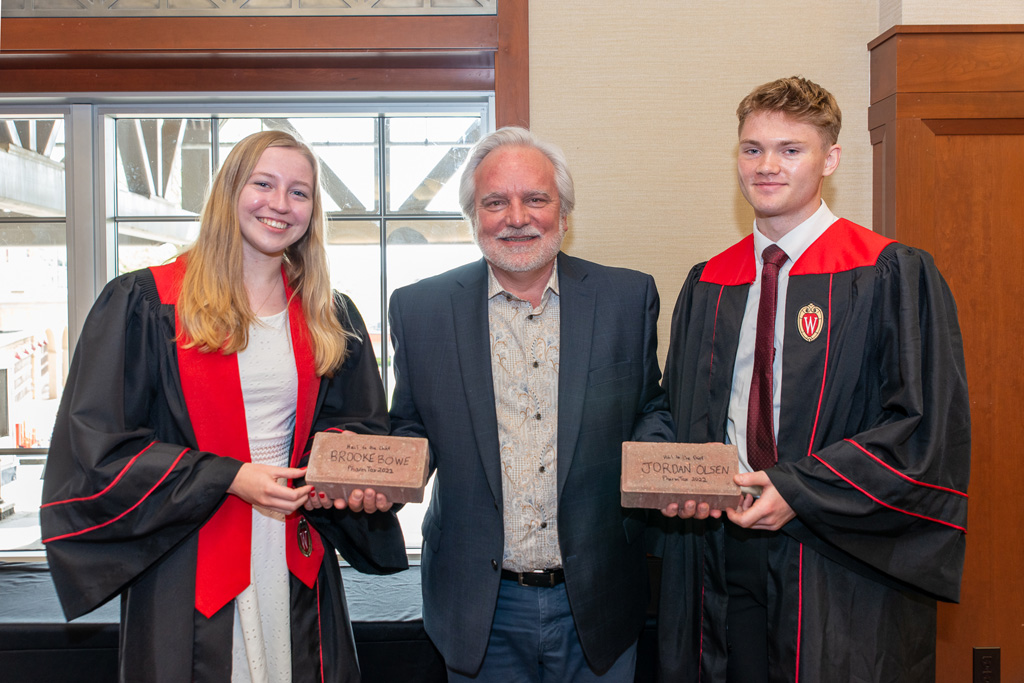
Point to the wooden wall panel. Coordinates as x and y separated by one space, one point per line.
309 34
947 59
982 242
947 123
234 77
280 54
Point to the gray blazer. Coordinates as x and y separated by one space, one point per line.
608 392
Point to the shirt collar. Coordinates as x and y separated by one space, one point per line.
796 241
494 287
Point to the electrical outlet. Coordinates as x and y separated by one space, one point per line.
986 665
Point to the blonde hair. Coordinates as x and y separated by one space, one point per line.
799 98
213 305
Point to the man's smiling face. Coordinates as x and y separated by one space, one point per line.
782 164
519 227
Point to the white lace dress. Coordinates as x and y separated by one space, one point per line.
261 650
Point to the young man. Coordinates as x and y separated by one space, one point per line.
832 357
526 371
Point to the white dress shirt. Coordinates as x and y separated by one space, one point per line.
794 243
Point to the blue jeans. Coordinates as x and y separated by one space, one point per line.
533 640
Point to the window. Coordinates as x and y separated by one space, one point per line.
33 311
390 175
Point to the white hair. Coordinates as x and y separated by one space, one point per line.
513 136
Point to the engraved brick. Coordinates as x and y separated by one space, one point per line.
656 474
396 466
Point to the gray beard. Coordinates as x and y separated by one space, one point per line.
515 263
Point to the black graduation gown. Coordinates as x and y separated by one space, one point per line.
126 494
874 449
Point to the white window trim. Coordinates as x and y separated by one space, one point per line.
89 134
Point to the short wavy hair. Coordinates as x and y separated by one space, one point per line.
513 136
798 98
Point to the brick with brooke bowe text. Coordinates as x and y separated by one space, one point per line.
396 466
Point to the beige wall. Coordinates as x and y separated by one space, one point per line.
642 96
893 12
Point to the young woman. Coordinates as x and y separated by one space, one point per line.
174 474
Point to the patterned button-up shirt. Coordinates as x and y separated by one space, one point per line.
524 364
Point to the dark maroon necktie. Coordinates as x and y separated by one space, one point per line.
761 453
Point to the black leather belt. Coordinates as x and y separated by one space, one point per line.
542 578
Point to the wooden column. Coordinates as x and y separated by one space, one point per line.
512 64
947 127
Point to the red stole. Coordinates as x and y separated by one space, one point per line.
213 396
842 247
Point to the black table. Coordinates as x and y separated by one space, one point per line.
37 645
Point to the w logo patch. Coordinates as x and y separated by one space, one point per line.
810 320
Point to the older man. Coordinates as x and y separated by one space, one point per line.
526 371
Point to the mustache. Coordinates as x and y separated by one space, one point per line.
525 231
